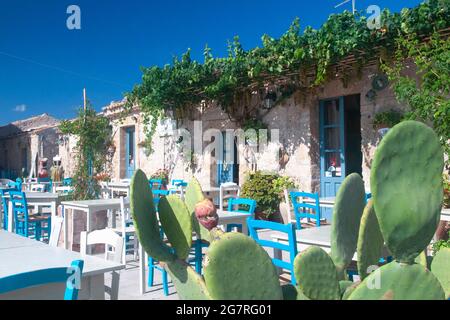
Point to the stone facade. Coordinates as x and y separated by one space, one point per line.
297 120
22 141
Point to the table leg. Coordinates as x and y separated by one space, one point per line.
66 223
142 279
10 217
54 212
244 227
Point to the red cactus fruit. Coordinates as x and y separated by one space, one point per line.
206 214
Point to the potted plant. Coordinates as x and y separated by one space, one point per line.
161 174
267 189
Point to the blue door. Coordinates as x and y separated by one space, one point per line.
332 149
130 158
226 164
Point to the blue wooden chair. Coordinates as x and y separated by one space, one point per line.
179 183
16 185
368 196
67 182
155 184
26 225
157 194
48 183
3 193
305 210
291 247
236 205
71 276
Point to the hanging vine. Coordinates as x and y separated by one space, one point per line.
296 61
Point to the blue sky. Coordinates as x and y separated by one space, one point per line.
44 66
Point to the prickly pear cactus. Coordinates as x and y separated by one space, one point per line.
177 224
406 184
190 285
347 212
192 196
317 275
440 267
370 241
237 268
399 281
144 215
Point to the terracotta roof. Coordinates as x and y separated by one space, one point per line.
40 122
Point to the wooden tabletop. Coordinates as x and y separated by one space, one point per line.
19 254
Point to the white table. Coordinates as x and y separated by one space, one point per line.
37 200
19 255
90 207
119 187
225 218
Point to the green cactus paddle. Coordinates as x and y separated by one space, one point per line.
347 212
440 267
317 275
176 223
406 184
370 241
237 268
145 220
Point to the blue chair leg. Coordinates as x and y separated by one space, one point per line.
165 282
37 231
198 256
151 271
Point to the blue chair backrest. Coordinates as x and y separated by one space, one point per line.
178 182
368 196
3 193
235 205
289 229
16 185
67 182
49 185
155 184
71 276
20 211
303 210
157 194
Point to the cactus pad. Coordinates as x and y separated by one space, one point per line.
370 241
193 195
237 268
176 223
347 212
440 267
399 281
316 275
190 285
406 184
344 285
145 220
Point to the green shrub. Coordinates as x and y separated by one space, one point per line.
446 191
267 189
438 245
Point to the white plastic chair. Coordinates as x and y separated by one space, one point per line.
127 230
57 223
224 194
110 239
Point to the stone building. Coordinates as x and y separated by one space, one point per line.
322 138
24 142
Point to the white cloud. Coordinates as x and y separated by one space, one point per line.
20 108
